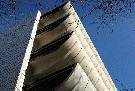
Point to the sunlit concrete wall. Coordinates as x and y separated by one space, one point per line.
75 48
77 81
70 78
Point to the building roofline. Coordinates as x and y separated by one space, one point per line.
55 10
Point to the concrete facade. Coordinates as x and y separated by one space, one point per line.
62 40
63 57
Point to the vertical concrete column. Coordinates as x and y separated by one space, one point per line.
89 51
21 76
77 54
104 73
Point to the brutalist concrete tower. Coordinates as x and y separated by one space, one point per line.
63 57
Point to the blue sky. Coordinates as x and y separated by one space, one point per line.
117 48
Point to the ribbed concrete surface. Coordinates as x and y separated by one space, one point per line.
65 44
103 72
77 81
70 78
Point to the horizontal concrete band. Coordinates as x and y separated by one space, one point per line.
71 78
26 58
78 81
51 81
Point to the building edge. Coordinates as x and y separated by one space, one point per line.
26 58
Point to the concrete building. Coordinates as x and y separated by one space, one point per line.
54 54
60 42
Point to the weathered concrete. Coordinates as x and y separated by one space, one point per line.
70 52
70 78
77 81
89 45
53 51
